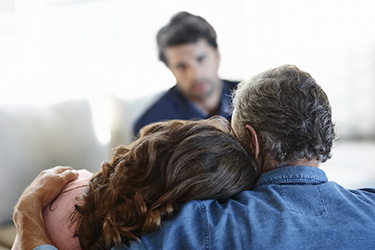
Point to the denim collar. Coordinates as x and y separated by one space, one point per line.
301 175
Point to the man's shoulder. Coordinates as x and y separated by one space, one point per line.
366 195
169 97
163 108
186 230
197 224
230 84
247 219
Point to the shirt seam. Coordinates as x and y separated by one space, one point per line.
206 231
291 180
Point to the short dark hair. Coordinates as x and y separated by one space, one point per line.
289 111
184 28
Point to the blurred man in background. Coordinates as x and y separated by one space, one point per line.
188 47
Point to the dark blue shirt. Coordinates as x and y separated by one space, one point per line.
174 105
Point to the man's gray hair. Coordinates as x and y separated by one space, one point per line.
289 111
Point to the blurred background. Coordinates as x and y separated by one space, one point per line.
57 50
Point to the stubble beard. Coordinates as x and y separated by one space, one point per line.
207 93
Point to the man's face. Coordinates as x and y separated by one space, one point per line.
195 67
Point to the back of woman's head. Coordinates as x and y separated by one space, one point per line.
170 164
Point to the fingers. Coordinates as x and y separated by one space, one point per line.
58 169
69 175
65 173
53 181
48 184
44 189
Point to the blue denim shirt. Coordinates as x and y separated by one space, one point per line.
290 208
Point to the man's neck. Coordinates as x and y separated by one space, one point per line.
210 105
302 162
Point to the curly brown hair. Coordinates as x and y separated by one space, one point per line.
171 163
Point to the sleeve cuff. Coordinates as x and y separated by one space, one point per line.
45 247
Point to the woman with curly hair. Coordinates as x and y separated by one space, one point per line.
170 164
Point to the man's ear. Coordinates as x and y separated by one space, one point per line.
254 144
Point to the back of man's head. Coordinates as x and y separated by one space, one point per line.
290 113
184 28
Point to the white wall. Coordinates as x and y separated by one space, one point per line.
52 50
58 49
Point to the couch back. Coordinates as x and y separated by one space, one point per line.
34 138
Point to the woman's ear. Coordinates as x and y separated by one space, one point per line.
254 144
